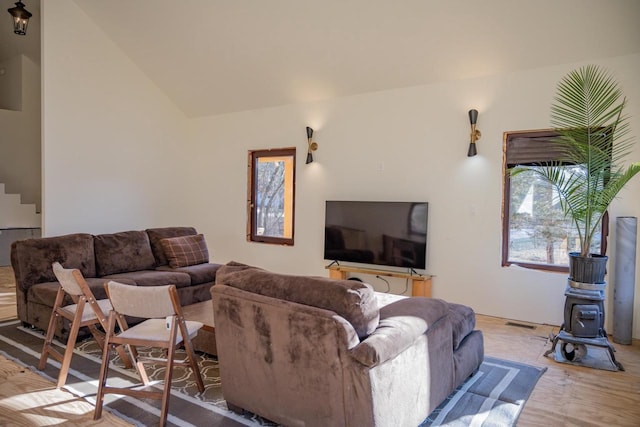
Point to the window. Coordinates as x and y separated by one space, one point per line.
271 196
535 233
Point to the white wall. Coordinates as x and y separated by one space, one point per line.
421 136
20 135
117 155
11 83
20 129
112 141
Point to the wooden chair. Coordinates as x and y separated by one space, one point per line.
164 328
86 311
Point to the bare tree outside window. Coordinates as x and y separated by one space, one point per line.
535 233
271 195
538 230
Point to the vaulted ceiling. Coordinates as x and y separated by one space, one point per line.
221 56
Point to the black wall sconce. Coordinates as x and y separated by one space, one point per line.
311 146
20 18
475 133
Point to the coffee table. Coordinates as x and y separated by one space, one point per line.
202 312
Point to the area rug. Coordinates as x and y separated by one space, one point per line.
495 395
187 407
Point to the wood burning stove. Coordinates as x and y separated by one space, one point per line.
583 322
584 312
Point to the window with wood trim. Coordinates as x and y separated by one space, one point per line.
535 233
271 196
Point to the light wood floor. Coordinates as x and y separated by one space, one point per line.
568 395
27 399
565 395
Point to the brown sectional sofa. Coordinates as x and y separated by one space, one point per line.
314 351
133 257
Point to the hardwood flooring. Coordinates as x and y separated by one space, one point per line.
7 294
568 395
565 395
27 399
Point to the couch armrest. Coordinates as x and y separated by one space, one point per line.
401 323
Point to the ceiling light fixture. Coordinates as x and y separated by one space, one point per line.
311 146
475 133
20 18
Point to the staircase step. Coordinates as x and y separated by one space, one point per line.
14 214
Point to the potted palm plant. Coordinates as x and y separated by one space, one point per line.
593 139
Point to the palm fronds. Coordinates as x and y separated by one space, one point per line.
588 114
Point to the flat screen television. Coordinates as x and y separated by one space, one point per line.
391 234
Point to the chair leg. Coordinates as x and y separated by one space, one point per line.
127 359
191 354
168 375
193 362
142 372
71 342
46 347
99 337
104 368
53 320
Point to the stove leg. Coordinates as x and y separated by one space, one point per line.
613 357
554 340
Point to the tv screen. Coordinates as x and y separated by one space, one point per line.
382 233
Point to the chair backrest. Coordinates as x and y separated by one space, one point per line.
70 280
149 302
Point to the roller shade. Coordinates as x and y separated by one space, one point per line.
532 148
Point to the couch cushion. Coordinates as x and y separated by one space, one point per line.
401 323
124 251
152 278
463 320
355 301
201 273
45 293
184 251
31 258
157 234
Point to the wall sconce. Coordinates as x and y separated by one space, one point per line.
475 133
311 146
20 18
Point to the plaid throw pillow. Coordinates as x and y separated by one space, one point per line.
184 251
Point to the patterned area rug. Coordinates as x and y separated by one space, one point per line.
494 396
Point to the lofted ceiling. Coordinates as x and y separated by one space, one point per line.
221 56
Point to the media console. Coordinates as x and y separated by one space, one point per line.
421 284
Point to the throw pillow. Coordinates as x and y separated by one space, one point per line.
184 251
122 252
157 234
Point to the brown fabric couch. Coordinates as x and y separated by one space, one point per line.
132 257
312 351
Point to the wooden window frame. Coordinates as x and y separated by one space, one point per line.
290 173
530 157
